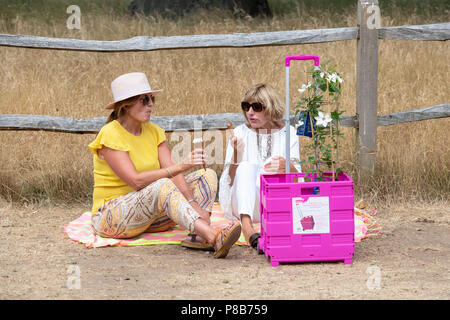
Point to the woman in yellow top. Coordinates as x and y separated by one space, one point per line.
136 182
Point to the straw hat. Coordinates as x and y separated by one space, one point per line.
129 85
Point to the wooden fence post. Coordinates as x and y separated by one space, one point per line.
366 88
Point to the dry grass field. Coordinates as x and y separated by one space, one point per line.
412 159
46 178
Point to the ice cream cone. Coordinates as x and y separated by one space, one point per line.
198 144
230 127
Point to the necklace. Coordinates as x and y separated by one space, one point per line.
264 143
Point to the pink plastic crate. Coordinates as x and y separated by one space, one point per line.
299 224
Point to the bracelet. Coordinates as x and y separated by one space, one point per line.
192 200
168 171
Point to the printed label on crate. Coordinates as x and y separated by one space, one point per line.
311 215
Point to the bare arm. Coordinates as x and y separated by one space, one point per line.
123 167
238 150
232 172
166 161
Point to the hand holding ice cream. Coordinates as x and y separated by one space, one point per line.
237 144
198 144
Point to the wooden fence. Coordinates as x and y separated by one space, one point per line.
365 121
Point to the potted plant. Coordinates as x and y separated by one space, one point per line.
319 116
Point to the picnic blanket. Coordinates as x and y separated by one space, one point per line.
80 231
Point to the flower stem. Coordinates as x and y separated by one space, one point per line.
316 165
337 134
331 154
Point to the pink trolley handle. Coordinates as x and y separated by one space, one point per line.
301 57
288 64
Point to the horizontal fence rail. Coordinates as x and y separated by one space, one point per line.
434 112
432 32
145 43
218 121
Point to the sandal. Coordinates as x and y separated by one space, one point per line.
193 244
225 239
253 241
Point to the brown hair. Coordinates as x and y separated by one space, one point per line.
119 108
266 94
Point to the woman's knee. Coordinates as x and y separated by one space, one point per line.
167 186
210 176
246 172
247 168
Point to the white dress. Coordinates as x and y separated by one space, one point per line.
243 197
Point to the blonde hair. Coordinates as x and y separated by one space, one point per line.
119 108
264 93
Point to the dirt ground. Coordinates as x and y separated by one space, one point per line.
408 260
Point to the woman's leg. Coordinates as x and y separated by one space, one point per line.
203 184
247 227
129 215
172 202
160 224
245 197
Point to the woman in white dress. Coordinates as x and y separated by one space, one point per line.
255 147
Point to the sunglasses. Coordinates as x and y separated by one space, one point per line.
256 106
146 99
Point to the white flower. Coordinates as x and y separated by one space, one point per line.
333 77
322 74
304 87
329 77
322 119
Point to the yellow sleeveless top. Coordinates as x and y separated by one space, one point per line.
142 149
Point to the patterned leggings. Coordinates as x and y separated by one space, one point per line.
156 207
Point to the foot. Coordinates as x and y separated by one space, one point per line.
225 239
193 241
254 239
247 228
